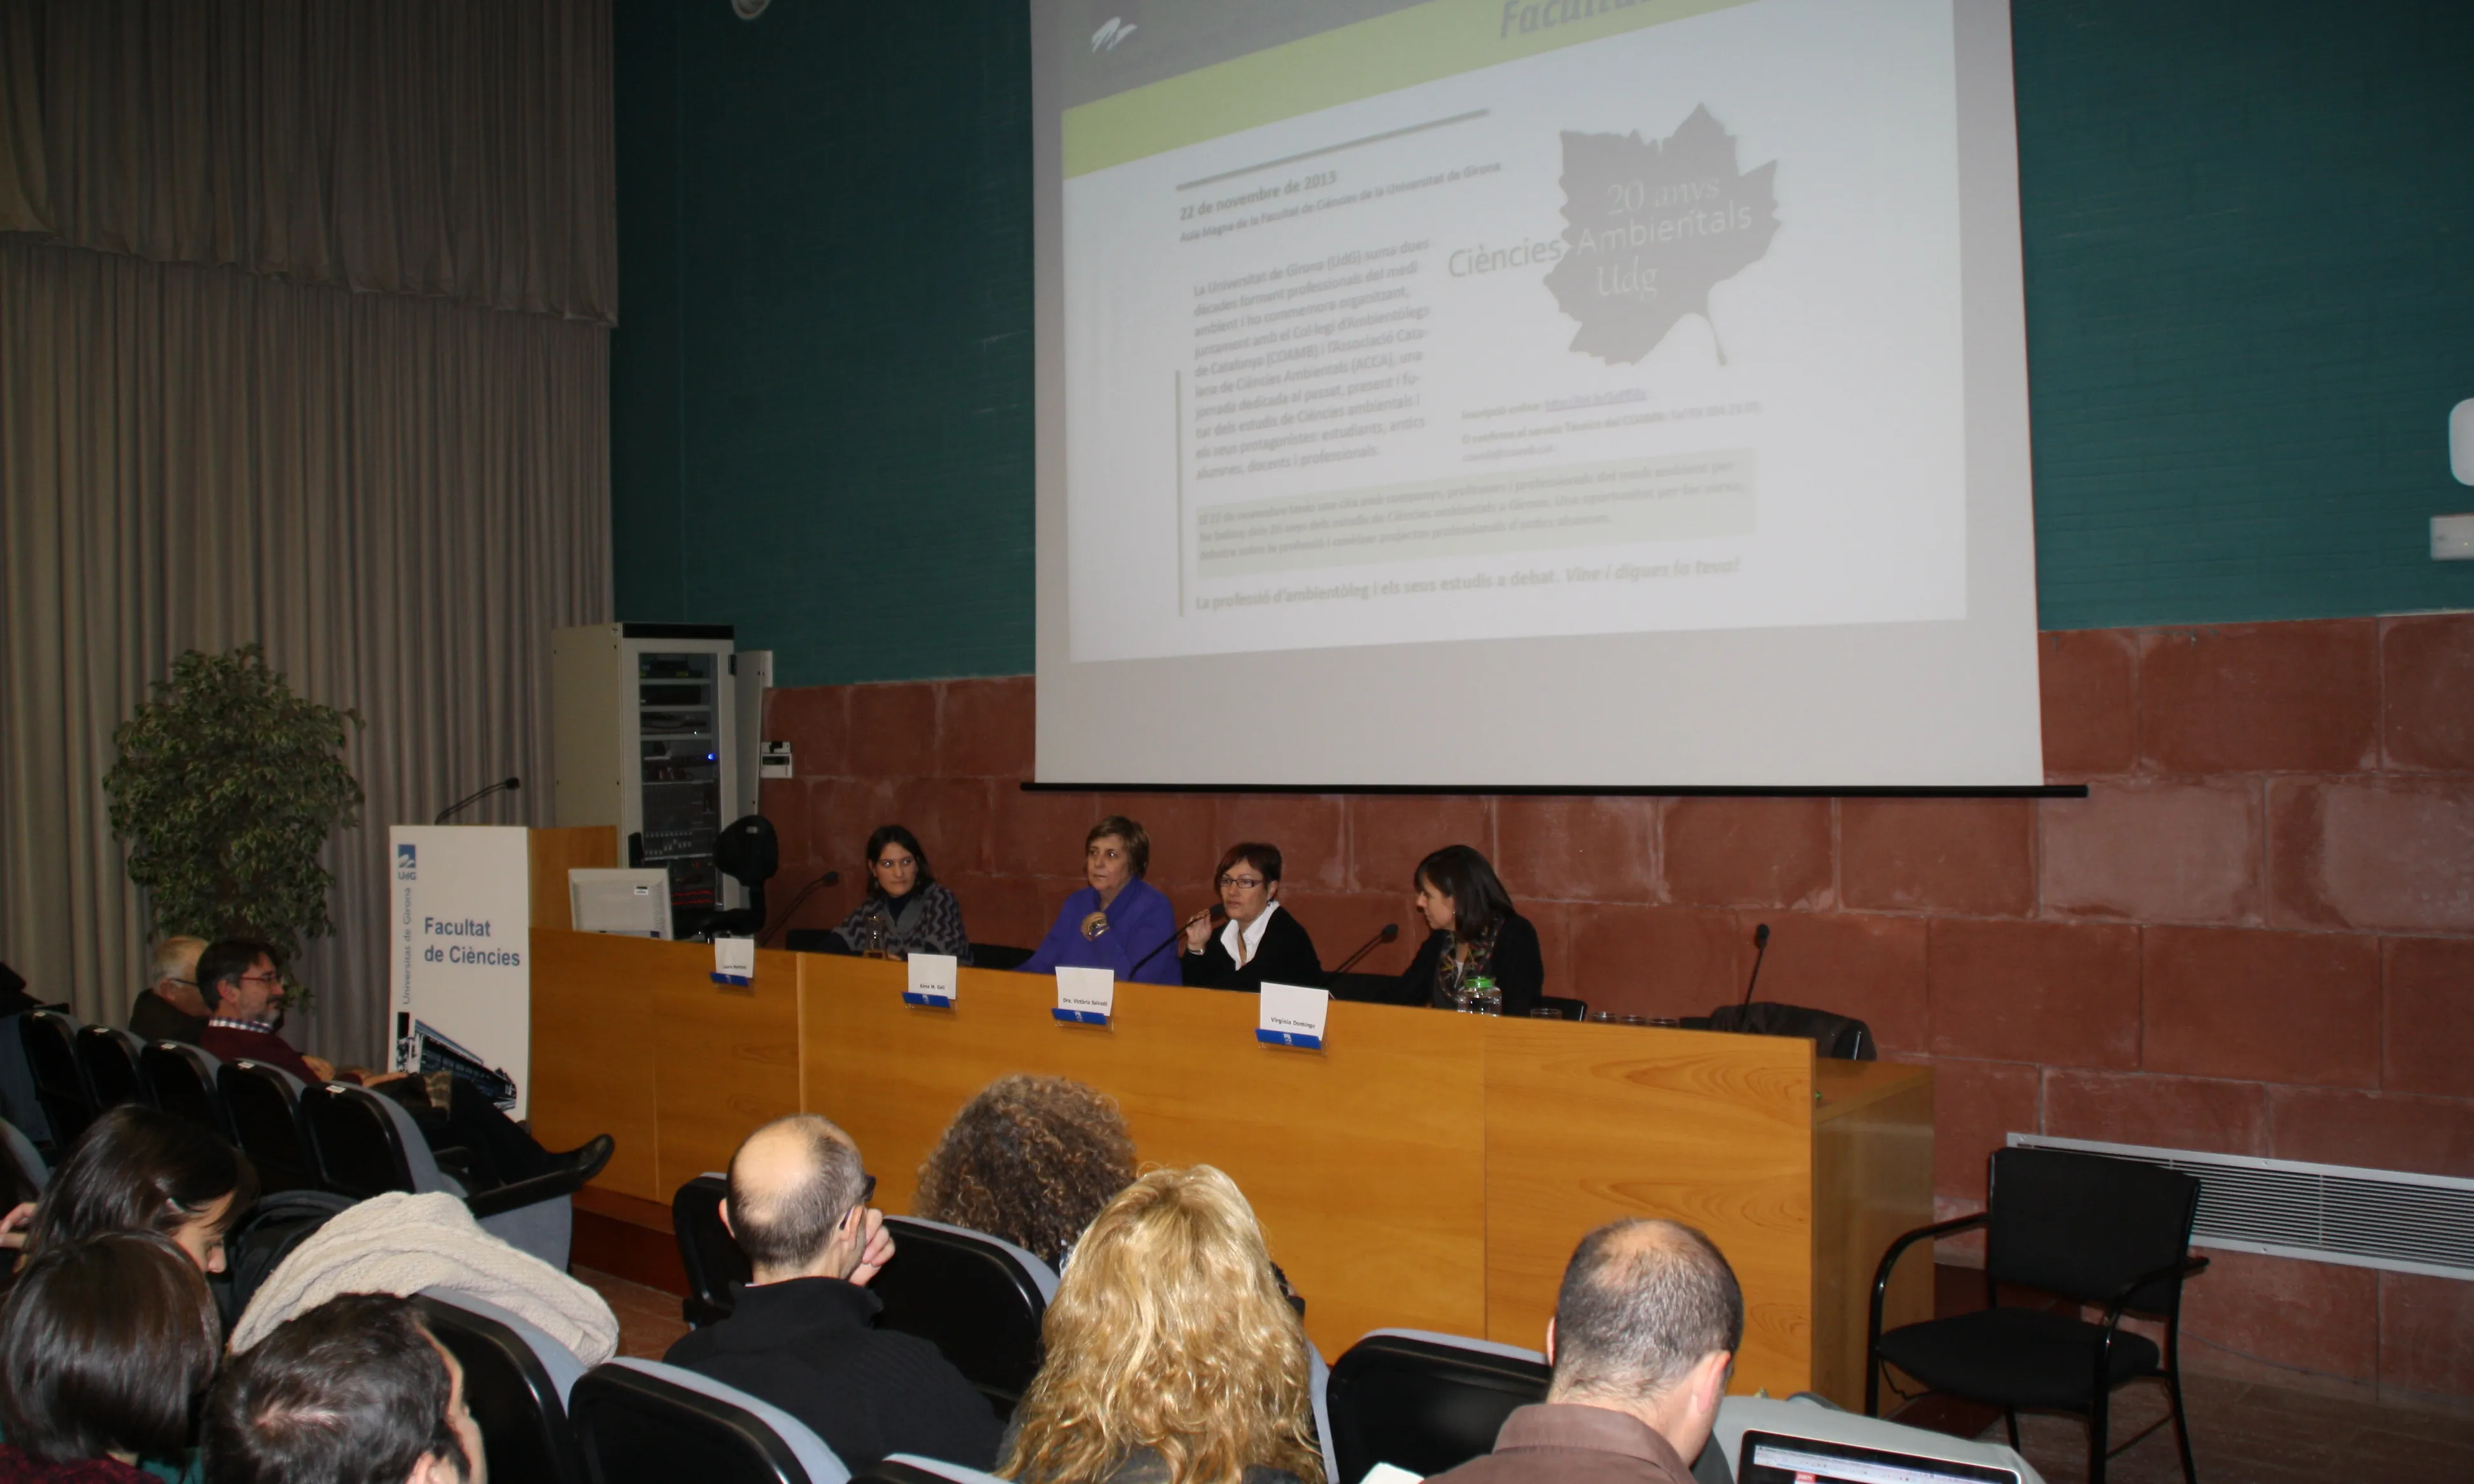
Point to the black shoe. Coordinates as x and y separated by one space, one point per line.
586 1160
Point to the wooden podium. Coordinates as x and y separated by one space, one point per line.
1423 1170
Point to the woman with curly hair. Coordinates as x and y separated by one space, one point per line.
1031 1160
1171 1356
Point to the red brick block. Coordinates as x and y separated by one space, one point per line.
816 721
2377 1130
893 730
1340 922
1389 833
1553 921
841 812
2154 851
1974 858
2317 1316
2427 1334
1748 852
2090 681
2161 1112
2034 991
2252 698
1654 960
2428 1016
951 818
1036 834
1602 849
2427 693
824 907
1184 846
785 802
2392 854
1977 1106
984 728
1011 910
2272 1007
1310 830
1857 964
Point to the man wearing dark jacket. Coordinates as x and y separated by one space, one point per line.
171 1008
802 1334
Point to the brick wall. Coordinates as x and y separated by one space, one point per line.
2255 935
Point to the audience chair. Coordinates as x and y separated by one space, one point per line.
977 1297
369 1144
61 1084
2111 1234
110 1056
1840 1038
918 1469
517 1380
264 1105
1425 1402
639 1421
707 1251
27 1170
183 1079
1562 1008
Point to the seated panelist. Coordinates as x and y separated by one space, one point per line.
1260 941
907 910
1118 922
1472 932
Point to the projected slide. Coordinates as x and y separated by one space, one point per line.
1393 325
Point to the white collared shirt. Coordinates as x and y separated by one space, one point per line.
1242 953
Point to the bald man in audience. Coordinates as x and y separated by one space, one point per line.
802 1334
171 1009
1644 1337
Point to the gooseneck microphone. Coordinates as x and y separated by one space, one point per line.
1761 948
503 786
828 879
1391 931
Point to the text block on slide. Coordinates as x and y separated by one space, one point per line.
462 924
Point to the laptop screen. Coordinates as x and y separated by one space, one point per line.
1770 1458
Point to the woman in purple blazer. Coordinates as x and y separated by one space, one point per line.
1118 922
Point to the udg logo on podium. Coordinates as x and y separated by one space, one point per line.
403 867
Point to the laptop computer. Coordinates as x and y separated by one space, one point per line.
1778 1458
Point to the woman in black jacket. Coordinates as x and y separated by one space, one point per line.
1261 942
1473 933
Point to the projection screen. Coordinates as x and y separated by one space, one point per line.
1497 393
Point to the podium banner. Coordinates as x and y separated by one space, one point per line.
463 922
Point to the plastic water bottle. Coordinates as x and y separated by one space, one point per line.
1482 996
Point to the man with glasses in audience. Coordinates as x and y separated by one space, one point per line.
802 1334
171 1009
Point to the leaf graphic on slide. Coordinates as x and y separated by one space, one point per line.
1654 226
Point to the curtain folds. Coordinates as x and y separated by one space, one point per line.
400 496
458 148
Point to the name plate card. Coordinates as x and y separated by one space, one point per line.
1086 996
936 978
734 961
1292 1016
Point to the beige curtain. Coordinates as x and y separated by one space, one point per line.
401 497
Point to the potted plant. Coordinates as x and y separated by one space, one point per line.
227 787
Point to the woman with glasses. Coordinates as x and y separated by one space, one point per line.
1473 932
1259 941
905 911
1118 921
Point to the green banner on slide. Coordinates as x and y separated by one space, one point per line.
1380 54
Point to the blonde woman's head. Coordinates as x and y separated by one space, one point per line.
1169 1333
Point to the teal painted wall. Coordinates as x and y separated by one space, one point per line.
2249 252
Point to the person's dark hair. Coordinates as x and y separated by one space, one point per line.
1263 857
1643 1303
139 1169
895 835
1031 1160
106 1346
1138 843
1478 899
352 1392
786 1227
224 962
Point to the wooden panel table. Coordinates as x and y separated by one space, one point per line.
1422 1170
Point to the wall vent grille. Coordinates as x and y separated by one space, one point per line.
2389 1219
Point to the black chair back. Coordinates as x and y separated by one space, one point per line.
999 956
1841 1037
707 1251
360 1151
514 1400
183 1083
2082 1226
968 1295
1425 1404
60 1077
633 1427
266 1123
110 1057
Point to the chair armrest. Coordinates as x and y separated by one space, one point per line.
1890 1260
518 1193
2186 1266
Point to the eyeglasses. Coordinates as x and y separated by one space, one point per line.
271 979
1240 883
866 1193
